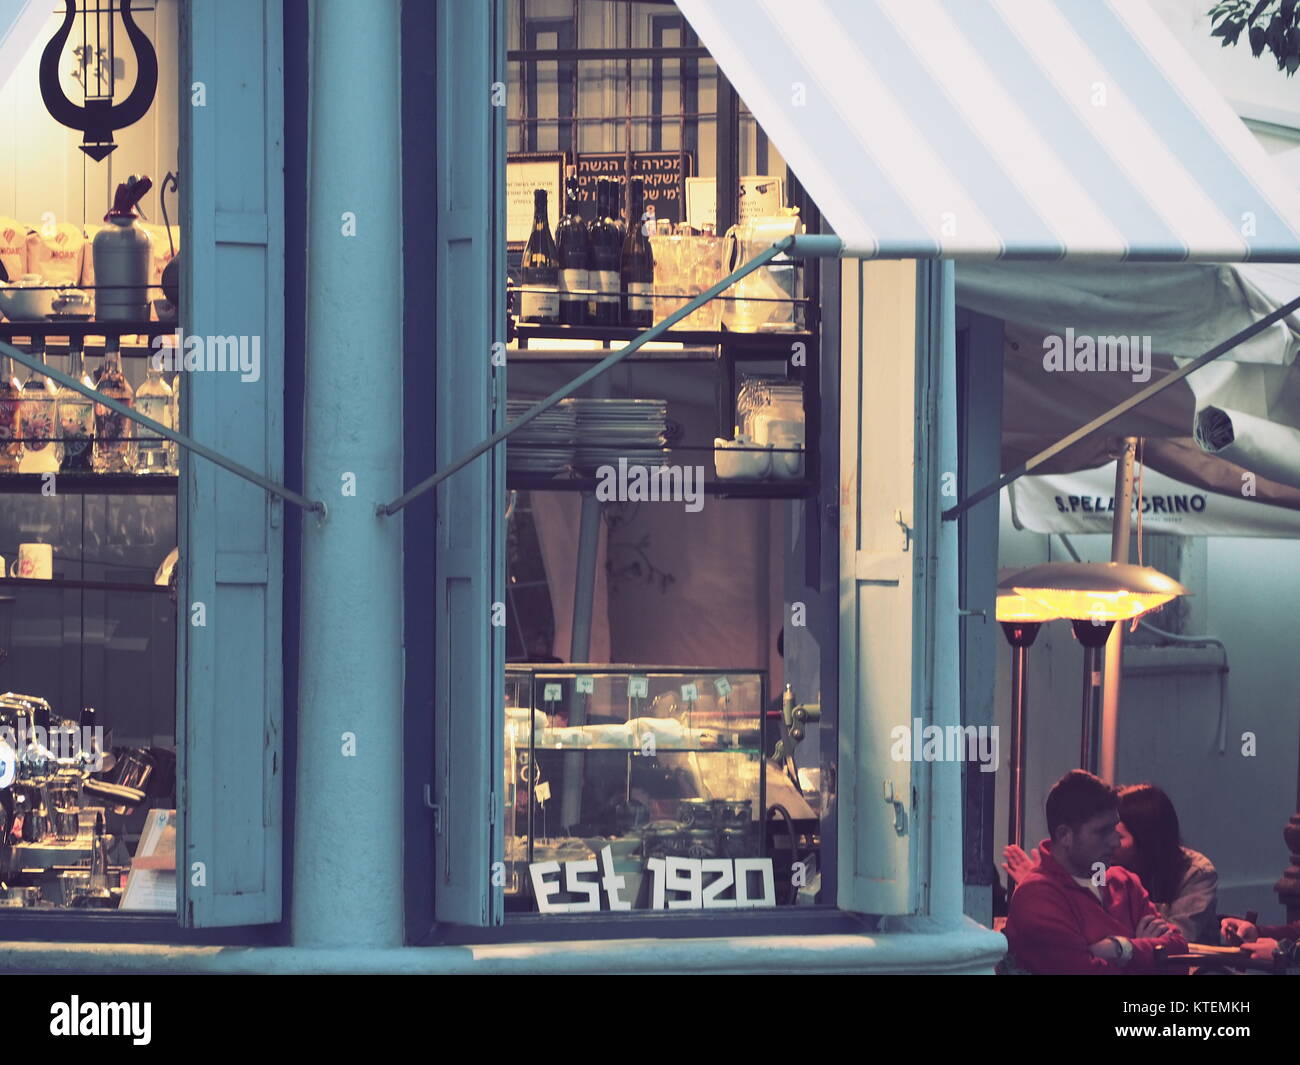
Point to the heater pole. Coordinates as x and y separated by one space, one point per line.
1019 697
1092 635
1119 552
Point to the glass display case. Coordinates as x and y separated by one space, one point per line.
611 771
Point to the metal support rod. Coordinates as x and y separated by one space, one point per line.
543 405
33 363
1091 708
1102 420
1119 552
1019 701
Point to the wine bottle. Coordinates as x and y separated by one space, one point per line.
605 249
618 208
573 248
637 265
539 299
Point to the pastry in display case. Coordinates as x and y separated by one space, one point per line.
615 774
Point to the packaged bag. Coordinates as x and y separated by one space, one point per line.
13 248
58 258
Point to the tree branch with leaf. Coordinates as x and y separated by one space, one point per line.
1271 24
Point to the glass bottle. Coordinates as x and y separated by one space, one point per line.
573 249
540 300
605 247
76 416
114 450
39 415
153 399
637 265
11 423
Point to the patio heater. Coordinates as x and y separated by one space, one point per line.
1093 596
1020 620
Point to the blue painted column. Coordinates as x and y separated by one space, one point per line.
347 886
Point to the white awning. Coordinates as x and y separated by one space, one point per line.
20 24
1006 129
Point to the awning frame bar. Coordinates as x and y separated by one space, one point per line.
36 365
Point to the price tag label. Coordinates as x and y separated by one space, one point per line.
638 687
690 692
584 685
723 685
551 693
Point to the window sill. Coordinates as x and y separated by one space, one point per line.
916 945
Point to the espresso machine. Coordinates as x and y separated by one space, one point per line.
54 849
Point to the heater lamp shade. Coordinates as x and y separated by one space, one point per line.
1013 607
1104 591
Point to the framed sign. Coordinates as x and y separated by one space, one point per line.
661 171
761 195
526 171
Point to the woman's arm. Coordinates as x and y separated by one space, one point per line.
1193 908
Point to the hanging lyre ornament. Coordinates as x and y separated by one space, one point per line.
97 116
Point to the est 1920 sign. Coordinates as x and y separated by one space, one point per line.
675 884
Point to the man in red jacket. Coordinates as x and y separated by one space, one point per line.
1073 913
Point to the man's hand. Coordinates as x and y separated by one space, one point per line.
1262 949
1018 864
1151 926
1234 928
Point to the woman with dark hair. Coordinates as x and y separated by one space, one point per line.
1181 882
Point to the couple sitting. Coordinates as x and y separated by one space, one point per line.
1074 912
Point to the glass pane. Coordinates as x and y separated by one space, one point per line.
88 521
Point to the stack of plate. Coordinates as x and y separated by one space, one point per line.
611 429
544 445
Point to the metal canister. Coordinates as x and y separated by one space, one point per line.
695 813
123 256
701 843
664 839
734 813
734 843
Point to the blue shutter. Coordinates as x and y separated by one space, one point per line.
231 540
881 584
468 317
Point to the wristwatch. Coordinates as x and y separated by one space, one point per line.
1123 949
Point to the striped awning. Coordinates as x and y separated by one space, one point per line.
1004 129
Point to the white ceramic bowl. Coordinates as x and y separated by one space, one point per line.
23 301
737 460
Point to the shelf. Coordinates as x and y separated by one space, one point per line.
753 345
74 328
126 484
67 584
660 749
795 488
